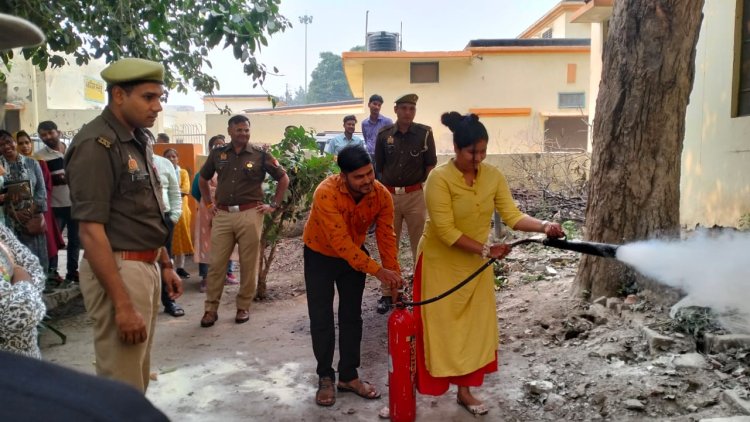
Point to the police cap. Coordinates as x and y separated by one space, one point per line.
408 98
132 70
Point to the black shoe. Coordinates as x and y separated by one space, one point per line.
71 278
182 273
174 309
384 305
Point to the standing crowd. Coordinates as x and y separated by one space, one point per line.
127 208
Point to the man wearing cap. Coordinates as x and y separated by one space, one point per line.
116 197
404 156
237 213
338 142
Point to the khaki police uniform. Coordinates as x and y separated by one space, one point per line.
238 192
403 159
113 181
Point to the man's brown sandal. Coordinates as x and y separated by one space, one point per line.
326 395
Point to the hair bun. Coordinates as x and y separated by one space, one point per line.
451 119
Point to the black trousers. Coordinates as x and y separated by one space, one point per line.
165 299
321 273
63 220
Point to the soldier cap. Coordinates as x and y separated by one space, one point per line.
132 70
408 98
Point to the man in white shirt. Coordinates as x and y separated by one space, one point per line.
53 154
170 190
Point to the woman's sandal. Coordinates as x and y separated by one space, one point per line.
365 390
326 395
474 409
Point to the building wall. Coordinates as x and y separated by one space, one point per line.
496 81
269 128
715 185
575 30
563 28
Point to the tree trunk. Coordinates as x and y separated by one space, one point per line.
647 75
265 267
3 99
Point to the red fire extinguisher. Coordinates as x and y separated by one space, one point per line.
402 366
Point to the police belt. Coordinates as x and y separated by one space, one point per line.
400 190
239 208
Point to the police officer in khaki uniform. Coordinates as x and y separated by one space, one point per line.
116 197
238 214
404 156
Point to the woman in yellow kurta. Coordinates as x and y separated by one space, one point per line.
182 244
457 336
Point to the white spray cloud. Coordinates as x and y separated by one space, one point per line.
713 270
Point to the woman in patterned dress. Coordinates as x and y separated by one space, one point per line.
21 305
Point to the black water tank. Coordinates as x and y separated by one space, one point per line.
382 41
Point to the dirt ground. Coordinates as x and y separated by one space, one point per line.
560 359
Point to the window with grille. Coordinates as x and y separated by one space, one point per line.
571 100
425 72
547 33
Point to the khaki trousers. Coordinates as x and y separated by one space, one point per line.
115 359
409 208
227 229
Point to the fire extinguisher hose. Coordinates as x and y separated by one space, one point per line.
466 280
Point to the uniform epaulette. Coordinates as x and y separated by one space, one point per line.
420 125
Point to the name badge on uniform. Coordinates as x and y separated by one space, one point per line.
139 176
132 164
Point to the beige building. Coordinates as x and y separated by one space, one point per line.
715 180
530 93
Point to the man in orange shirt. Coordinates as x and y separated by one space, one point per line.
343 208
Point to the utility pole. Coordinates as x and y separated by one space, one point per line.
306 19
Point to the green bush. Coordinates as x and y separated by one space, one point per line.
298 153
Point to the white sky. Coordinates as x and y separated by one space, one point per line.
339 25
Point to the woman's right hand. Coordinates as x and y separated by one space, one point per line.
499 250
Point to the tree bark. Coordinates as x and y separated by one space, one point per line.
647 75
3 99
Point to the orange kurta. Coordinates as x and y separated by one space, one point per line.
338 225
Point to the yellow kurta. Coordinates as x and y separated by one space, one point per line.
460 331
182 244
